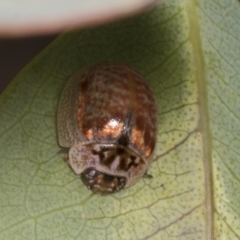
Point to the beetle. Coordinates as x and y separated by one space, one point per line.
107 118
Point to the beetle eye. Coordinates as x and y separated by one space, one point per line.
121 183
102 183
90 174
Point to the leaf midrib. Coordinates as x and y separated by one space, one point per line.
203 124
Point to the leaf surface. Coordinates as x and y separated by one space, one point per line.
189 53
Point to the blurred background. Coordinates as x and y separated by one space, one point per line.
37 18
15 53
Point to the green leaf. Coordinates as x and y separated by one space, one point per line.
189 52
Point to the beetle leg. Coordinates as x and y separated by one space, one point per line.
146 175
63 150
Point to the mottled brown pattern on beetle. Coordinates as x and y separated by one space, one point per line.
93 112
110 92
145 122
101 101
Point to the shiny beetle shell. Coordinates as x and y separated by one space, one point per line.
107 117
